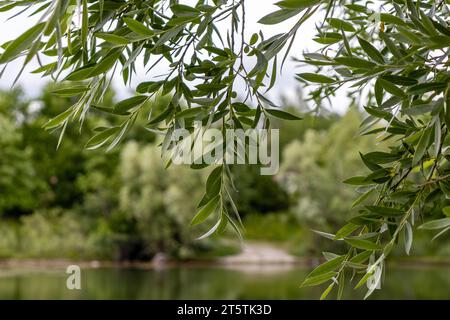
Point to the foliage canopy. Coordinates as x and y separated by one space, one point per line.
392 55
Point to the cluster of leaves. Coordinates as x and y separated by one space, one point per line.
397 59
395 56
90 41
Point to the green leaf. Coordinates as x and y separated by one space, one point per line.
109 110
390 45
217 51
427 87
314 77
189 113
129 103
327 291
364 279
408 237
391 88
210 87
357 181
371 51
361 257
113 38
325 234
326 267
345 231
329 255
205 211
363 244
106 63
400 80
84 24
428 24
162 116
70 92
341 24
379 157
297 4
422 146
419 109
148 87
223 223
362 198
21 43
254 39
101 138
58 120
379 176
385 211
182 10
440 233
211 231
328 40
389 18
379 113
278 16
214 182
277 113
341 282
138 27
409 37
313 281
80 74
357 8
436 224
369 164
378 92
355 62
240 107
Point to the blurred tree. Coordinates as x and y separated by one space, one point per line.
157 199
313 119
59 167
53 233
313 170
256 193
19 184
14 105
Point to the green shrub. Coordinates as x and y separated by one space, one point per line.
52 234
9 241
313 169
279 226
19 184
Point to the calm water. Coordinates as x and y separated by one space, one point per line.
211 283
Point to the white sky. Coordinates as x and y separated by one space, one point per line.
286 84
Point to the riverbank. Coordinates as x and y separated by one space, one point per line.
252 254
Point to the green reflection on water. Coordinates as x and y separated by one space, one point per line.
212 283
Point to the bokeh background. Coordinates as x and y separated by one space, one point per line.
124 218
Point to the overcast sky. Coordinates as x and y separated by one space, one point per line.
286 84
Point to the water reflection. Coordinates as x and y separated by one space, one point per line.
211 283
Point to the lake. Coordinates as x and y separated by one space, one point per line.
191 282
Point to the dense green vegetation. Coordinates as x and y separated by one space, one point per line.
391 56
77 203
83 204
